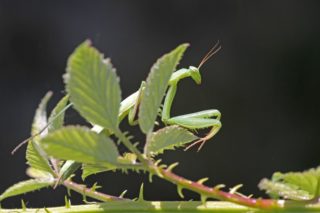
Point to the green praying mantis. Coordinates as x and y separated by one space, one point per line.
129 108
194 121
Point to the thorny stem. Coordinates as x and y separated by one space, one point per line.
215 192
82 189
131 147
166 174
208 192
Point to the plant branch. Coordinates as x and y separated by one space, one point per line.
166 206
82 189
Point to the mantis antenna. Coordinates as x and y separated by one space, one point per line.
44 128
211 53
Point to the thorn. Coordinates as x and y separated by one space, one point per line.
162 166
67 202
123 193
179 190
46 210
141 198
150 177
202 180
203 199
172 166
158 172
219 186
23 205
157 162
235 188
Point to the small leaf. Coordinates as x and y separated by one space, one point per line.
90 169
56 118
36 157
156 86
38 174
93 86
293 185
287 191
68 169
40 117
167 138
124 163
81 145
24 187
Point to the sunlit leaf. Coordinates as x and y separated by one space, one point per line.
81 145
40 117
167 138
293 185
24 187
56 118
93 86
156 86
35 156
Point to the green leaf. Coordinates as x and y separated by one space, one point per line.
293 185
37 158
125 162
91 169
56 118
81 145
40 117
24 187
93 86
68 169
167 138
38 174
156 86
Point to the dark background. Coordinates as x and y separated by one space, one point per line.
265 81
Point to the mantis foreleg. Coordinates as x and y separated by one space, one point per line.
193 121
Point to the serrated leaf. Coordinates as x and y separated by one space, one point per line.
156 86
81 145
24 187
40 117
91 169
56 118
36 158
38 174
93 86
125 163
286 191
293 185
68 169
167 138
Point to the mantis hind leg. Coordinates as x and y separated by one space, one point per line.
199 120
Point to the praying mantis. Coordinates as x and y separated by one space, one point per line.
194 121
129 108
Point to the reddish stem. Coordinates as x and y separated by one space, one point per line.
82 189
215 192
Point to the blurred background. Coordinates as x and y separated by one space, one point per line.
265 81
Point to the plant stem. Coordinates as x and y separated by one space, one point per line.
167 206
131 147
215 192
82 189
205 191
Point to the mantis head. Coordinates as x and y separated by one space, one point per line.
195 74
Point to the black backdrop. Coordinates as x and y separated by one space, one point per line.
265 81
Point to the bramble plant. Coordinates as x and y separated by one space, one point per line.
55 152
